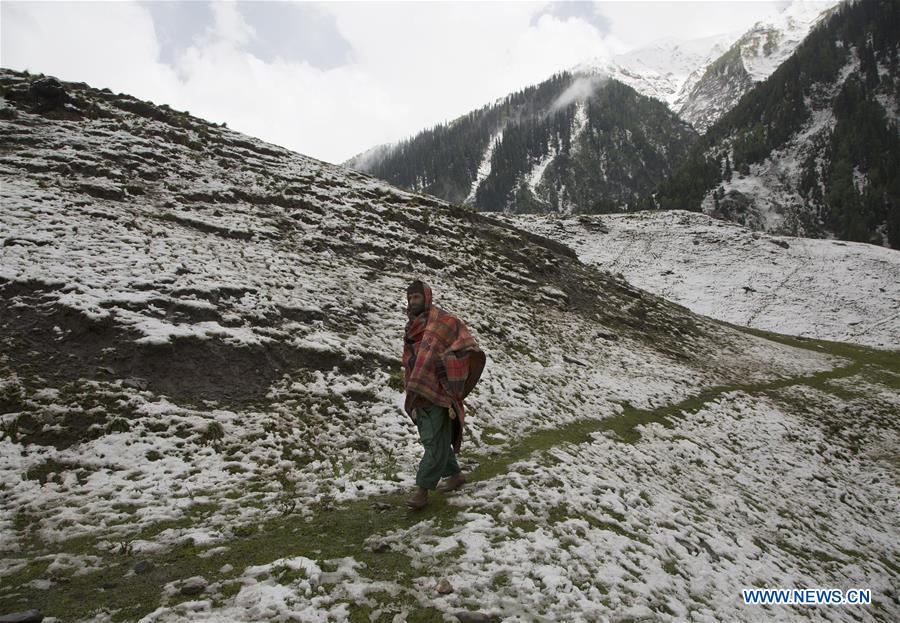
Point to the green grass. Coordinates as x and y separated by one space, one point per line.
880 365
488 436
816 559
499 580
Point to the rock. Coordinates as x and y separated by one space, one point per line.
102 191
554 294
443 586
378 546
106 369
49 95
712 553
362 444
27 425
578 362
48 88
144 566
473 617
193 586
593 224
382 506
30 616
135 383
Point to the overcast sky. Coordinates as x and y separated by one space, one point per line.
333 79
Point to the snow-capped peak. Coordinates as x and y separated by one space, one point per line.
770 42
661 68
670 69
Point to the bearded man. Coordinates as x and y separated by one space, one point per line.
442 363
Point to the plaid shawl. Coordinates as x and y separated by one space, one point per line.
442 362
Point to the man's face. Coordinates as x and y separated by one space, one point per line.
415 304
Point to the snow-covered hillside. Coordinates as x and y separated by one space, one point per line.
561 145
199 390
824 289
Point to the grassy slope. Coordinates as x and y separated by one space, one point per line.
342 531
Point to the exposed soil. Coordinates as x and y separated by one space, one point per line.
189 369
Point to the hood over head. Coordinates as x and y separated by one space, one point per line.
422 288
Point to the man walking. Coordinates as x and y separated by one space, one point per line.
442 363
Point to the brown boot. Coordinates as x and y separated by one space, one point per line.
452 483
419 499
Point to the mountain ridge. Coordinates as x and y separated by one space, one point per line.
475 160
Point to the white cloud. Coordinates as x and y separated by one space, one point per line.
229 25
411 65
579 90
104 44
446 59
639 23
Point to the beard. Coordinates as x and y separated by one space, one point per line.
415 310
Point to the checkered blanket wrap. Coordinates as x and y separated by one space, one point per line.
442 363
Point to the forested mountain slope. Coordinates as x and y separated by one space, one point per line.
577 142
815 149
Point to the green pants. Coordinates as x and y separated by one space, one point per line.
439 460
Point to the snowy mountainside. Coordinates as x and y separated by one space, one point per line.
199 390
464 148
751 59
784 192
823 289
814 150
770 42
702 79
529 153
